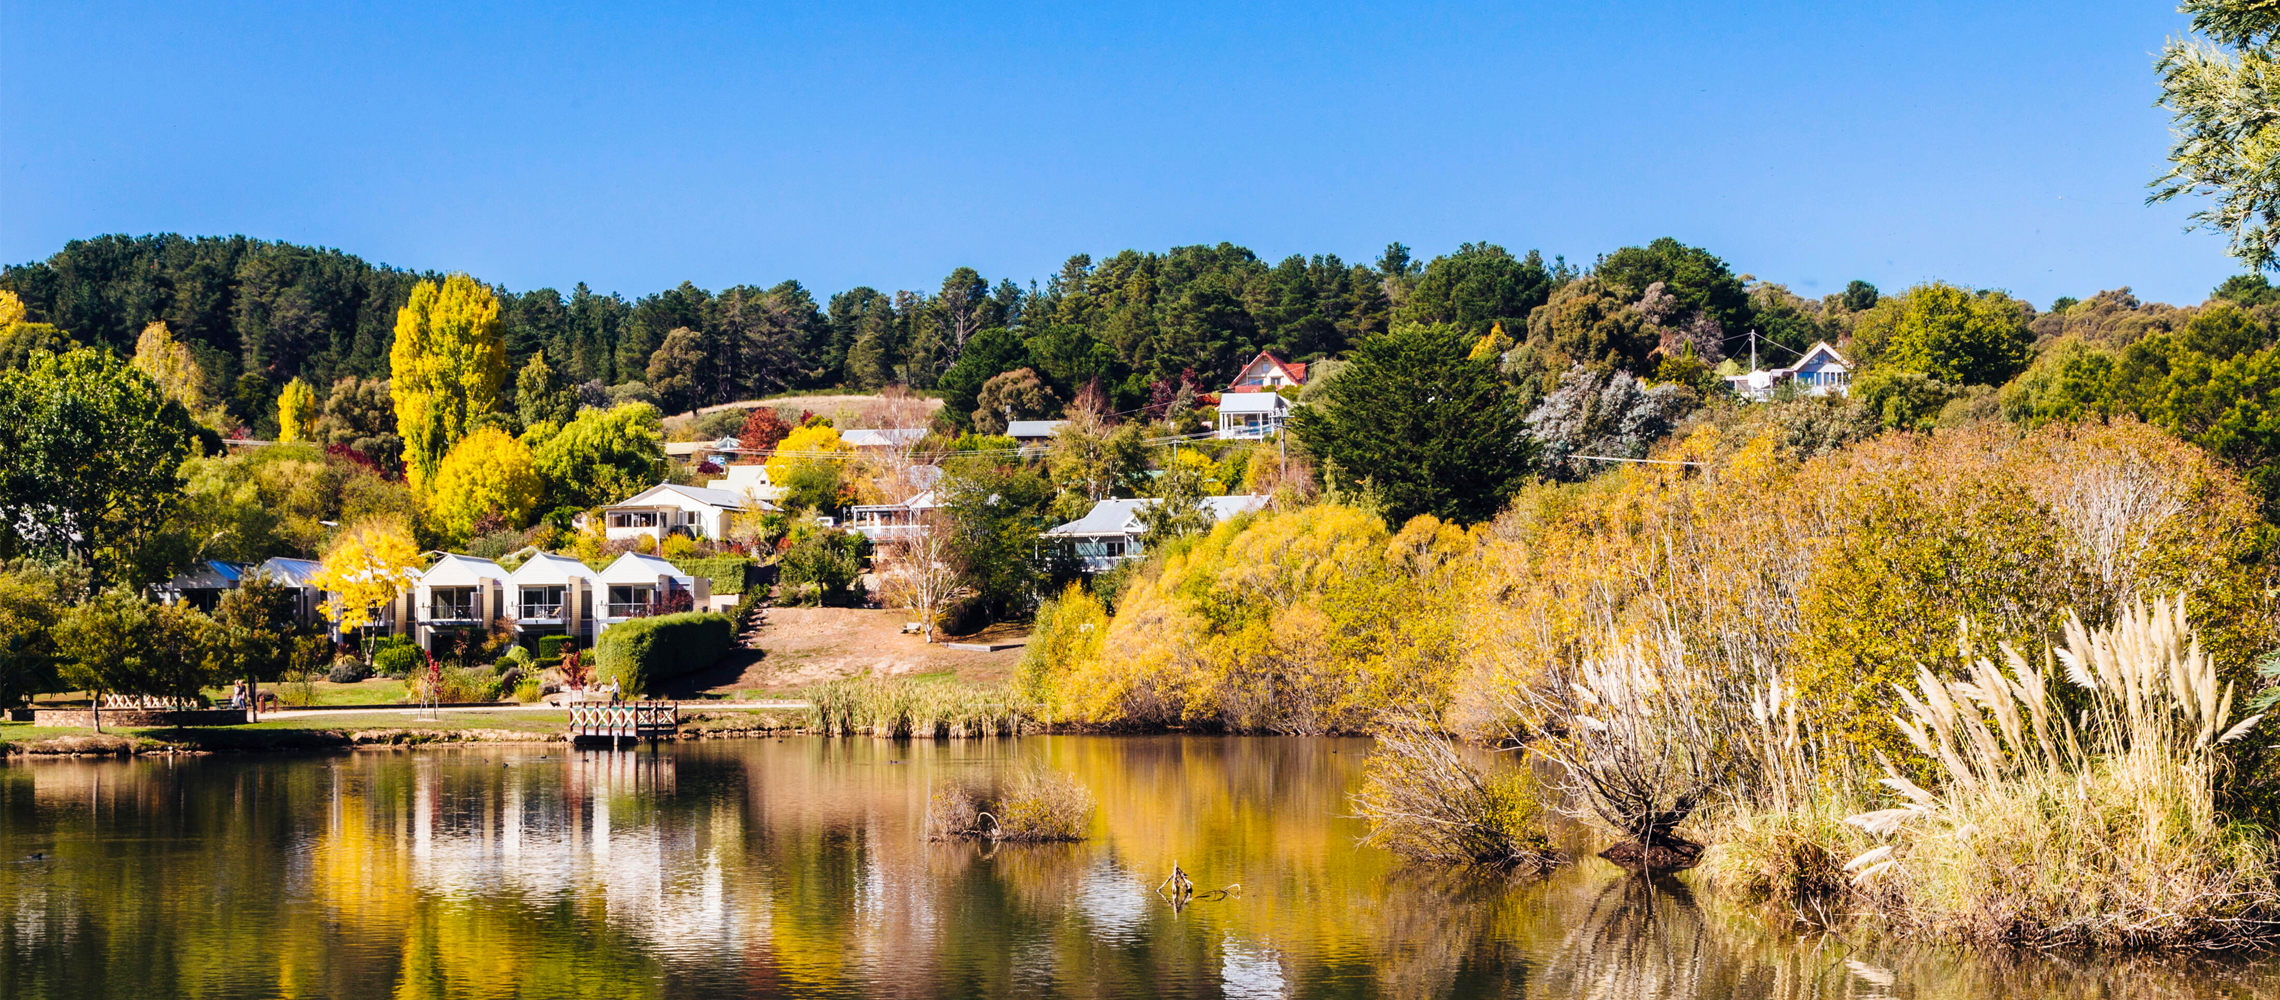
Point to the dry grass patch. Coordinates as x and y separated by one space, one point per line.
1037 806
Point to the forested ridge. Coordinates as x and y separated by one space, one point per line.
258 314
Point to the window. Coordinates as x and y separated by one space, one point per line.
451 604
633 519
631 602
541 602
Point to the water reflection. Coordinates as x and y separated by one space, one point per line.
797 868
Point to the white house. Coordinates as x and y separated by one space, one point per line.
459 593
888 439
1268 373
1110 532
891 521
202 586
637 586
1252 407
697 511
1251 416
1033 431
553 595
1820 372
749 481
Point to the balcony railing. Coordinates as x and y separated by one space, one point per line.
452 613
542 611
637 610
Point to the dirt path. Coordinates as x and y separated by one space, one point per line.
803 646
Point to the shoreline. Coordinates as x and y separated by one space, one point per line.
721 724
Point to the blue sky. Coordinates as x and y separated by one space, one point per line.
634 146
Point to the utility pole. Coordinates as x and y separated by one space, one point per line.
1753 349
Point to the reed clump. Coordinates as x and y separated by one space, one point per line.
905 709
1428 800
1037 806
2079 813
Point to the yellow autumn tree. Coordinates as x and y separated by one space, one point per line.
169 363
813 443
369 566
296 407
445 369
486 473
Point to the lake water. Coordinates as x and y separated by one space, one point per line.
798 867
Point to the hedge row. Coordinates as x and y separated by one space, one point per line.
729 574
648 651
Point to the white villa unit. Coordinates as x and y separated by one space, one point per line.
637 586
1821 372
1110 532
202 586
697 511
554 595
458 593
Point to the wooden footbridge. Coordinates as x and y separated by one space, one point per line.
619 722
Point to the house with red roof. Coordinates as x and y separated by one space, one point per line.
1253 406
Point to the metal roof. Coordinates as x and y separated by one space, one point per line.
1120 517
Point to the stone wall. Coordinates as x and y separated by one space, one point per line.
132 718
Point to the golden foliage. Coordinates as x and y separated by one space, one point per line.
1311 621
1846 570
296 410
369 566
486 473
445 368
813 443
170 363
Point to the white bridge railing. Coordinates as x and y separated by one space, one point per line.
632 720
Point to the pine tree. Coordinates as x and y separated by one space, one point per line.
1429 429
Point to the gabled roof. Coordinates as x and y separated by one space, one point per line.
212 574
548 569
1018 429
1821 351
1252 402
291 572
921 501
891 437
662 492
1295 371
635 568
1121 516
455 570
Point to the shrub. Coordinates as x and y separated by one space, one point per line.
397 661
527 689
1039 806
456 685
1309 621
2085 815
645 651
1068 631
727 573
823 566
346 670
1427 800
550 647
